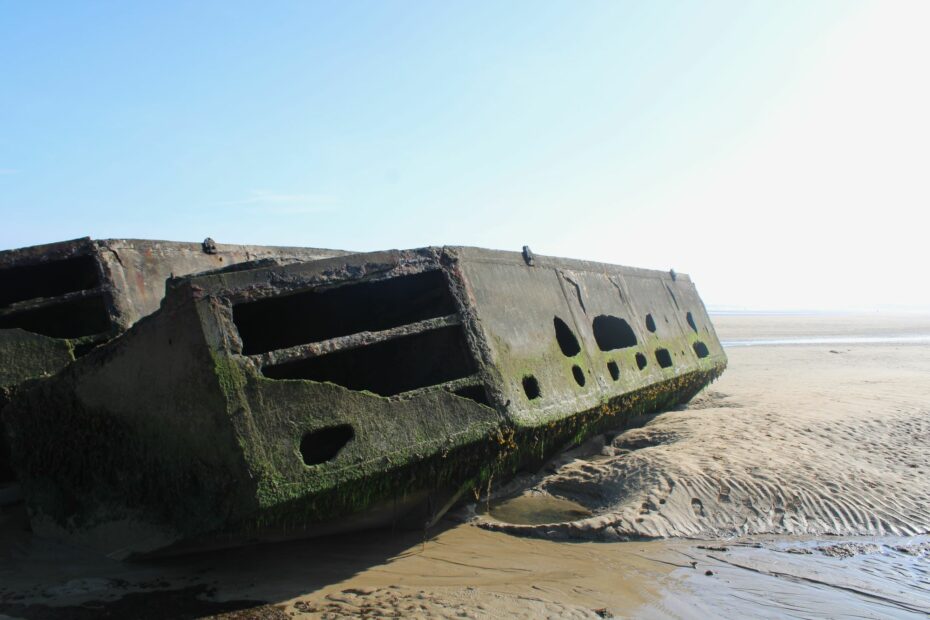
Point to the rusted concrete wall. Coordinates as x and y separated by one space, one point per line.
307 398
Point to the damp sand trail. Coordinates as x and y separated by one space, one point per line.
806 440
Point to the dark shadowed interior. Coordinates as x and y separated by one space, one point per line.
612 332
531 387
390 367
566 338
664 358
691 322
320 314
71 319
325 444
49 279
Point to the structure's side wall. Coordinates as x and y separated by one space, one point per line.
622 329
385 437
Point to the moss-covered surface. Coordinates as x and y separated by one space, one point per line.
25 356
169 426
133 432
400 445
495 454
83 466
6 468
403 446
553 371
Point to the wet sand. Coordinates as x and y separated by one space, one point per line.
795 485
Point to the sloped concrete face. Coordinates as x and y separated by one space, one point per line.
584 333
307 398
57 301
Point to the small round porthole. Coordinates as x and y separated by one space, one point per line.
564 335
614 370
578 373
531 387
650 323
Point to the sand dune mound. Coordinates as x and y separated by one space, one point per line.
827 462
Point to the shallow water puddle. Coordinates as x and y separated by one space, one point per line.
852 578
536 510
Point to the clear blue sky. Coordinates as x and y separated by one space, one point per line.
777 151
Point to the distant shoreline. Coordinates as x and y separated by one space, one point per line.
896 312
911 339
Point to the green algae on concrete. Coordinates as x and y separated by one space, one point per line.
59 300
292 400
25 356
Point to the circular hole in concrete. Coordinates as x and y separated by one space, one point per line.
566 338
578 374
641 360
531 387
650 323
691 322
614 370
664 358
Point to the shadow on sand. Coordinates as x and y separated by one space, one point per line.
45 580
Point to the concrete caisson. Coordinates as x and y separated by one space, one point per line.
292 400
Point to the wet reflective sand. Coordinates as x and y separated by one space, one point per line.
851 578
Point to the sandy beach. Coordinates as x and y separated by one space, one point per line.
797 484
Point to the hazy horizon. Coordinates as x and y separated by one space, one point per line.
775 151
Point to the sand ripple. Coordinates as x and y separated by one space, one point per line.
720 469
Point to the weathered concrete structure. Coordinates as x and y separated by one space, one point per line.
284 401
59 300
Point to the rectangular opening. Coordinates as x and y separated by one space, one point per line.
310 316
71 319
49 279
388 367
